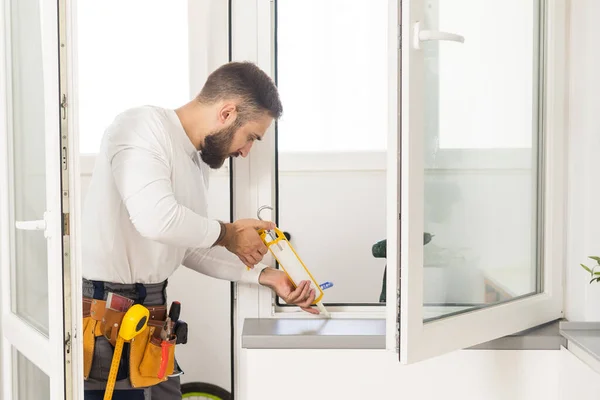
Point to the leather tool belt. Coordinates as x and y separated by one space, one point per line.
146 354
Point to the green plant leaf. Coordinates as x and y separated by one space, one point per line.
597 259
586 268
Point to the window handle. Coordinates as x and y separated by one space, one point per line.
37 225
425 35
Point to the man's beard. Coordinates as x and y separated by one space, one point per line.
216 147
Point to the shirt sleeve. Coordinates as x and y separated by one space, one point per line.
219 263
139 154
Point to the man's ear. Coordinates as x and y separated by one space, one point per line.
227 113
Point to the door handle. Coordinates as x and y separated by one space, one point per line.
427 35
36 225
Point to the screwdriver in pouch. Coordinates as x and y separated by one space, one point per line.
179 327
166 336
174 312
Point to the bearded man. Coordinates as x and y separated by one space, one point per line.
145 214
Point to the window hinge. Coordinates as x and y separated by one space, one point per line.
68 345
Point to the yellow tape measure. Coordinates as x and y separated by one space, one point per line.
134 321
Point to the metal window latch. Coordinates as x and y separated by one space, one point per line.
63 106
420 35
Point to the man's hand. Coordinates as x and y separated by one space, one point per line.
279 282
242 239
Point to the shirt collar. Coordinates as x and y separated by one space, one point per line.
188 146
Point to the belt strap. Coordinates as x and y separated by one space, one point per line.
141 291
98 290
140 288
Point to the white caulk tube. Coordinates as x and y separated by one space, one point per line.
291 264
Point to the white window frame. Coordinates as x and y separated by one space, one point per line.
252 39
254 185
255 43
417 340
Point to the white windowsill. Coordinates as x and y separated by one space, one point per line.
369 334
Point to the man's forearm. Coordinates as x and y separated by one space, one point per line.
219 263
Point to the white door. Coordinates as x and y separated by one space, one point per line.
30 199
479 183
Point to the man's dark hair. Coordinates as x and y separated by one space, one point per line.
248 83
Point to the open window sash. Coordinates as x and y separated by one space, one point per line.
429 328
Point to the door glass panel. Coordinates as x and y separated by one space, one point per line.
481 145
29 260
331 70
29 380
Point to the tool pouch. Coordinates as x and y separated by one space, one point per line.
93 312
89 342
146 358
145 350
111 324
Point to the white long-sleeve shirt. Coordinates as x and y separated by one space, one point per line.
145 212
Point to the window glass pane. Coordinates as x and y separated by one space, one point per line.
481 146
130 53
30 381
332 74
29 259
484 87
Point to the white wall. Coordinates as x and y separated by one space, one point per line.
362 374
575 378
582 299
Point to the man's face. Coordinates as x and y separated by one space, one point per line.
232 140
